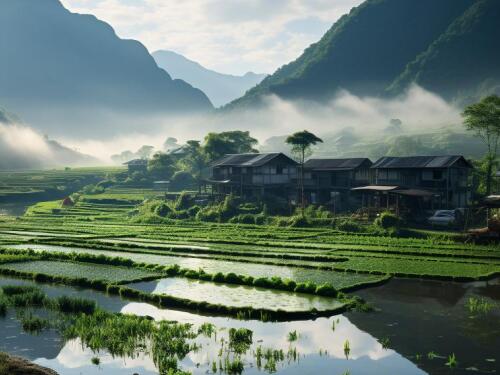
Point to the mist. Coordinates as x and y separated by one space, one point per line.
418 109
22 147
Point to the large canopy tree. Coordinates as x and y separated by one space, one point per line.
483 118
217 145
301 143
195 160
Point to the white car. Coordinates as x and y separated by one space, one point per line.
442 217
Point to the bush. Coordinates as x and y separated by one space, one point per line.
193 211
326 290
387 220
299 221
209 214
243 219
232 278
308 287
182 180
163 209
183 201
348 225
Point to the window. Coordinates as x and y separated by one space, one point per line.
393 175
333 179
437 175
279 169
382 174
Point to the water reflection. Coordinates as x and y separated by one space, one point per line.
417 317
236 295
213 266
423 316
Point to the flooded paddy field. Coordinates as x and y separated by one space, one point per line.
417 326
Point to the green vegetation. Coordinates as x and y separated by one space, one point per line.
80 270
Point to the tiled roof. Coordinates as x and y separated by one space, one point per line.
248 160
136 162
336 164
418 161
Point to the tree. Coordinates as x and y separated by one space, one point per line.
170 144
301 143
145 152
483 118
161 165
217 145
195 160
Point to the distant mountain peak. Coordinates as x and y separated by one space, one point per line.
68 70
219 87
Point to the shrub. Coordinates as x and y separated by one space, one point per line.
348 225
262 282
387 220
232 278
193 211
218 277
243 219
307 287
326 290
182 180
163 210
299 221
183 201
209 214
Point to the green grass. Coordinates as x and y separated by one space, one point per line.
112 274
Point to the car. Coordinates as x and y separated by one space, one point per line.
443 217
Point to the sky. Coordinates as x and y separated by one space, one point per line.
229 36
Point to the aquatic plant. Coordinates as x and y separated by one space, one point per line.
207 329
4 303
95 361
292 336
452 361
33 324
347 349
75 305
240 339
385 342
234 366
431 355
479 305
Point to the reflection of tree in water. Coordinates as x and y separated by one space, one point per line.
47 344
447 294
423 316
490 289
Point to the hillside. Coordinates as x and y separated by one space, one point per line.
393 43
464 62
220 88
66 71
23 148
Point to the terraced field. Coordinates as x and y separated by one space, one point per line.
112 274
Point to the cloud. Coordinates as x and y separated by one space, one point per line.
21 147
229 36
418 109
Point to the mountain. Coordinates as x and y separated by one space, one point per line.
464 62
220 88
21 147
66 71
383 46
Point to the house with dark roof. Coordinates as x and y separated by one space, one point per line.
439 181
137 165
329 181
254 174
